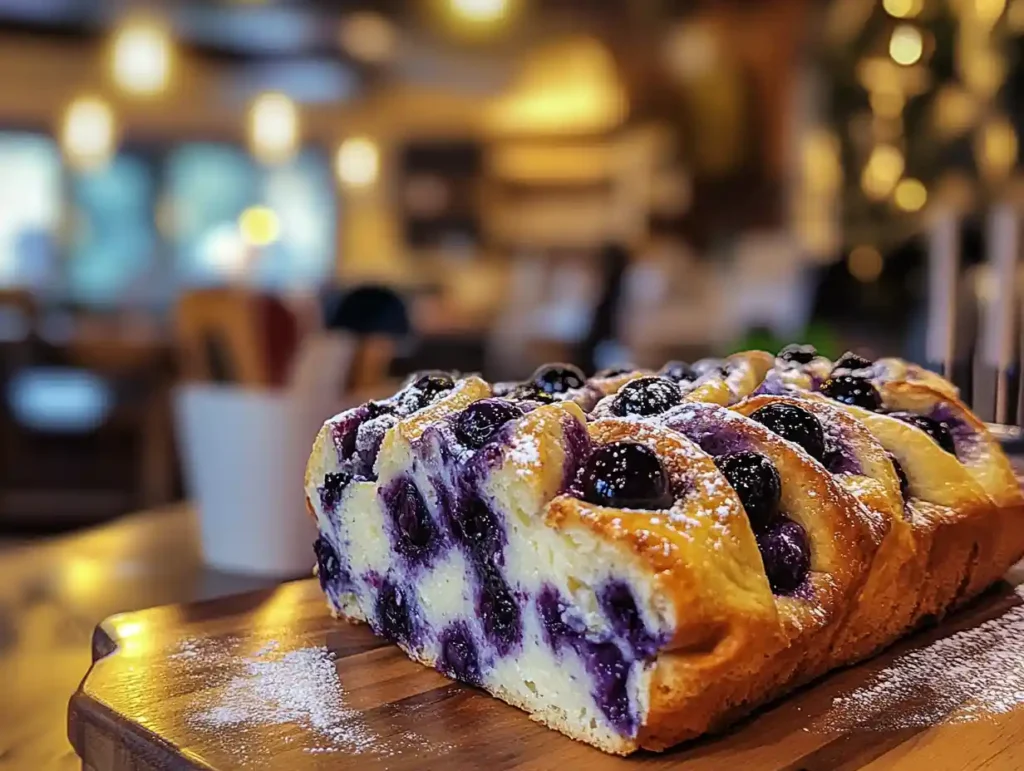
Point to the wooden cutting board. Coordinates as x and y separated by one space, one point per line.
194 687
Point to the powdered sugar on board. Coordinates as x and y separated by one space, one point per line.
274 688
971 675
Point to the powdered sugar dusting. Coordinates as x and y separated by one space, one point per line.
525 453
968 676
274 688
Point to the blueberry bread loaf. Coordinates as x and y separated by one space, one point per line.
638 558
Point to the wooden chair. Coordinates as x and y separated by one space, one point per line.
217 337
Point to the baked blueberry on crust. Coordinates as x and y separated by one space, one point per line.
636 559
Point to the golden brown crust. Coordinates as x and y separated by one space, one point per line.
702 551
879 564
884 605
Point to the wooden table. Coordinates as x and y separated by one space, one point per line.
52 595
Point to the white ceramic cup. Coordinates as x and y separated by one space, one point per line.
244 454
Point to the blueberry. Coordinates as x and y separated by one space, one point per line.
426 389
369 438
498 609
902 475
626 475
394 616
413 527
801 354
334 485
328 565
459 657
558 378
679 371
610 671
934 428
549 607
757 484
794 424
620 607
646 396
614 371
710 366
850 360
853 390
476 424
529 392
786 555
376 409
476 528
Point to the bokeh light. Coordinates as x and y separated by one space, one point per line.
865 264
89 133
368 36
906 45
259 226
273 128
141 57
882 171
903 9
479 11
910 195
357 162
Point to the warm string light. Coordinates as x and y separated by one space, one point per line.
882 171
910 195
906 45
903 9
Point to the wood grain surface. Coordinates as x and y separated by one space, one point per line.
53 592
138 706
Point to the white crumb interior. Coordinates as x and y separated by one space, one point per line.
555 687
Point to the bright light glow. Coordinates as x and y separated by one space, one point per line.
141 57
906 45
368 36
479 11
273 128
910 195
89 133
996 148
223 251
989 11
259 226
865 264
568 87
357 162
882 171
903 9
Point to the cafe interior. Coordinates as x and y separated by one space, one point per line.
224 221
311 200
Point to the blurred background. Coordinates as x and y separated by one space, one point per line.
313 199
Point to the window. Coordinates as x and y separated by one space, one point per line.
274 226
114 251
30 194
